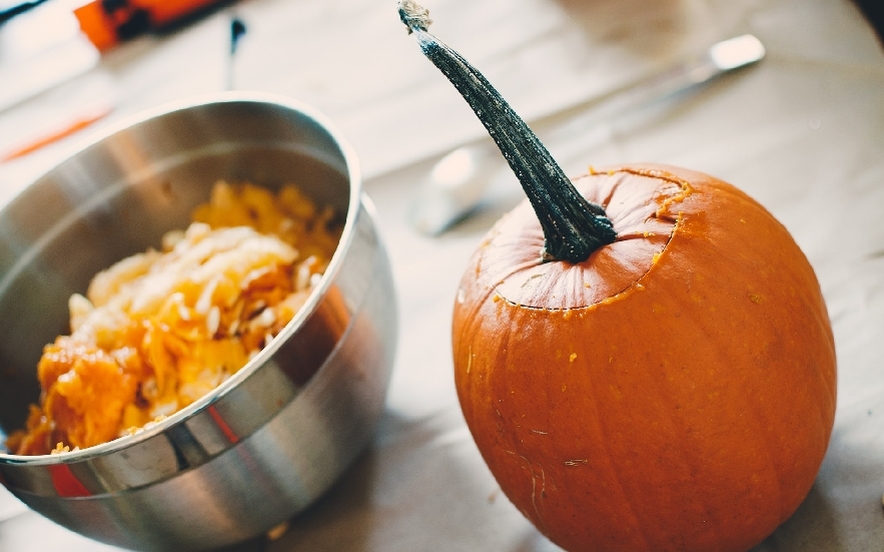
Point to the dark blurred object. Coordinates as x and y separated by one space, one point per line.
237 29
874 12
109 22
9 13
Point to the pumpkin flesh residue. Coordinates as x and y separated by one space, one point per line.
159 330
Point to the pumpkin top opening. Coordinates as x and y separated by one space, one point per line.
640 206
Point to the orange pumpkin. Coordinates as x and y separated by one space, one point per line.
675 391
643 356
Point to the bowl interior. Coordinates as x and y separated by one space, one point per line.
120 195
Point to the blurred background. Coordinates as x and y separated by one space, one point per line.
354 69
801 131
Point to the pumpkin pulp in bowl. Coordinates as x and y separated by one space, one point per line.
160 329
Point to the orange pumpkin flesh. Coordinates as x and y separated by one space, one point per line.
675 391
643 357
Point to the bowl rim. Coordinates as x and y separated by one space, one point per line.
355 203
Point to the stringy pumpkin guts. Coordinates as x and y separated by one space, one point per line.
160 329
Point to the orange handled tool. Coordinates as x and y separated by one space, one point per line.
109 22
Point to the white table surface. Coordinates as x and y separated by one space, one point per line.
802 132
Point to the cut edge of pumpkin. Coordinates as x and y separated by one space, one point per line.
663 212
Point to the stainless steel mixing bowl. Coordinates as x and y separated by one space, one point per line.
275 436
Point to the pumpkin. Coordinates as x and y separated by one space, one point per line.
674 391
643 355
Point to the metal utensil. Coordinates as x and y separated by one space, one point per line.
457 183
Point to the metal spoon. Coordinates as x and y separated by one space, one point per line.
457 183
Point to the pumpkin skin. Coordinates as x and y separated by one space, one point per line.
675 391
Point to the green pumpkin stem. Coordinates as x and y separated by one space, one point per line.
573 227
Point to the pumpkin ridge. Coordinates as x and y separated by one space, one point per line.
690 454
784 512
618 471
693 457
602 454
764 452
